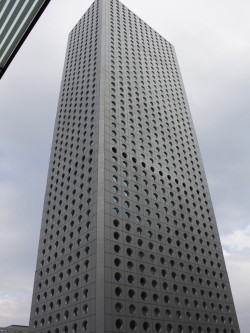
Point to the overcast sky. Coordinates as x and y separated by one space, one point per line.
211 38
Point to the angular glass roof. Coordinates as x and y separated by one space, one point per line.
17 18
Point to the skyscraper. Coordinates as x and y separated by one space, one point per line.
129 241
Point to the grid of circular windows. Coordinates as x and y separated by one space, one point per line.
64 293
164 268
166 263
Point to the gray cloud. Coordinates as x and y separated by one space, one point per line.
211 40
239 270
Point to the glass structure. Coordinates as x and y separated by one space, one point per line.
129 241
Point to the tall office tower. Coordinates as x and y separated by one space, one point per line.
129 241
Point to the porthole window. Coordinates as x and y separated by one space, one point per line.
131 293
132 325
169 328
126 183
132 308
118 291
130 279
115 211
115 189
126 204
115 179
118 276
158 327
74 328
85 325
118 307
146 326
144 295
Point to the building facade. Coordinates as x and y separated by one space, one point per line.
129 241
